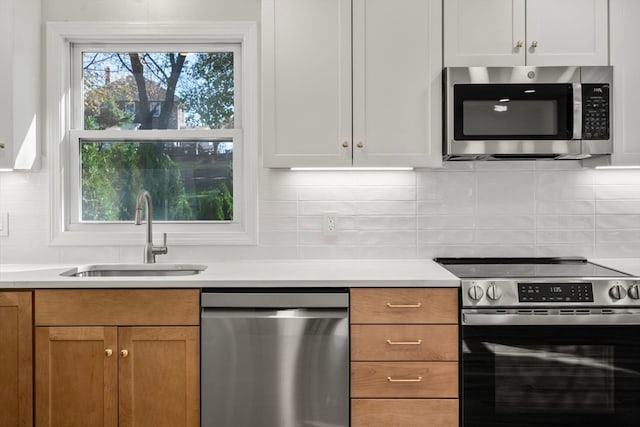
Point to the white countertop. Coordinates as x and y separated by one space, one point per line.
249 273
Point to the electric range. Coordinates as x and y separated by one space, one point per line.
547 342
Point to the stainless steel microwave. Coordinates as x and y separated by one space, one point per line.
494 113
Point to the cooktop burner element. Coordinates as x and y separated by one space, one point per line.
541 283
525 267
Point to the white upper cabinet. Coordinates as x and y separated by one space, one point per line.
397 79
525 32
319 111
624 34
20 96
306 69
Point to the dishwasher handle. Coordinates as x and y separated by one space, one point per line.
276 300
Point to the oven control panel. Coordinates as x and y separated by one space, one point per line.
555 292
532 292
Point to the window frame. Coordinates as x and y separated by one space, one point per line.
63 138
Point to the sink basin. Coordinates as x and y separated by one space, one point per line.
134 270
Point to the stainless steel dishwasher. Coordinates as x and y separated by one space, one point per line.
274 358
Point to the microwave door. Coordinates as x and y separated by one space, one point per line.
513 112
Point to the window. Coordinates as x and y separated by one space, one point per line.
170 111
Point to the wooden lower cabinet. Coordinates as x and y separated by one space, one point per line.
16 360
404 357
115 376
404 413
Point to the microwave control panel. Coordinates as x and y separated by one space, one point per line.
595 111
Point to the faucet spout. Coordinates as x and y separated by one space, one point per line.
150 250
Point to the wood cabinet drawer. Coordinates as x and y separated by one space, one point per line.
404 379
107 307
404 412
404 342
404 305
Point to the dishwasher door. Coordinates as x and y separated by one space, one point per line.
275 359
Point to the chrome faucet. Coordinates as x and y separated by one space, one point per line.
150 251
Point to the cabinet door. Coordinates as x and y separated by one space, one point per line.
397 65
76 374
625 33
484 33
16 372
306 70
159 377
20 98
567 32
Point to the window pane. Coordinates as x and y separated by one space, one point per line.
187 180
151 90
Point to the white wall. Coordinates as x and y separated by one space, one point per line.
470 208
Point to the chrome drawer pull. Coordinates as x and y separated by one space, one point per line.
404 380
416 342
416 305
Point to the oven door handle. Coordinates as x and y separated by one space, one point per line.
493 319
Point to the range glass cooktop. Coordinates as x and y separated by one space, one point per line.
479 268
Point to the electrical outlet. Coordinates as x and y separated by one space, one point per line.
329 224
4 224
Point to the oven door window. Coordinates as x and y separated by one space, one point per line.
551 376
513 112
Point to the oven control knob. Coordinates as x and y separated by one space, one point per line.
475 293
617 292
634 292
494 292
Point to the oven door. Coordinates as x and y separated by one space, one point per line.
550 375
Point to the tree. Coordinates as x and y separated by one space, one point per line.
167 68
209 96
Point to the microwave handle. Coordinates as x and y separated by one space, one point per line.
577 111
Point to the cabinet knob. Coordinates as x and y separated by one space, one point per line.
345 144
124 353
534 44
108 352
360 144
520 44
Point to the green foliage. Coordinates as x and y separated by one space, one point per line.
113 175
111 115
208 92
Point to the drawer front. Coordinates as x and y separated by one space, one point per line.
404 412
404 305
404 342
112 307
404 379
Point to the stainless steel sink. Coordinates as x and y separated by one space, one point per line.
134 270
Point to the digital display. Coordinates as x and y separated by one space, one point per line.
555 292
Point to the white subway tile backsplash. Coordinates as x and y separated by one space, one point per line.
608 207
505 237
565 192
444 222
585 222
445 237
617 192
546 237
500 222
623 221
561 207
462 209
